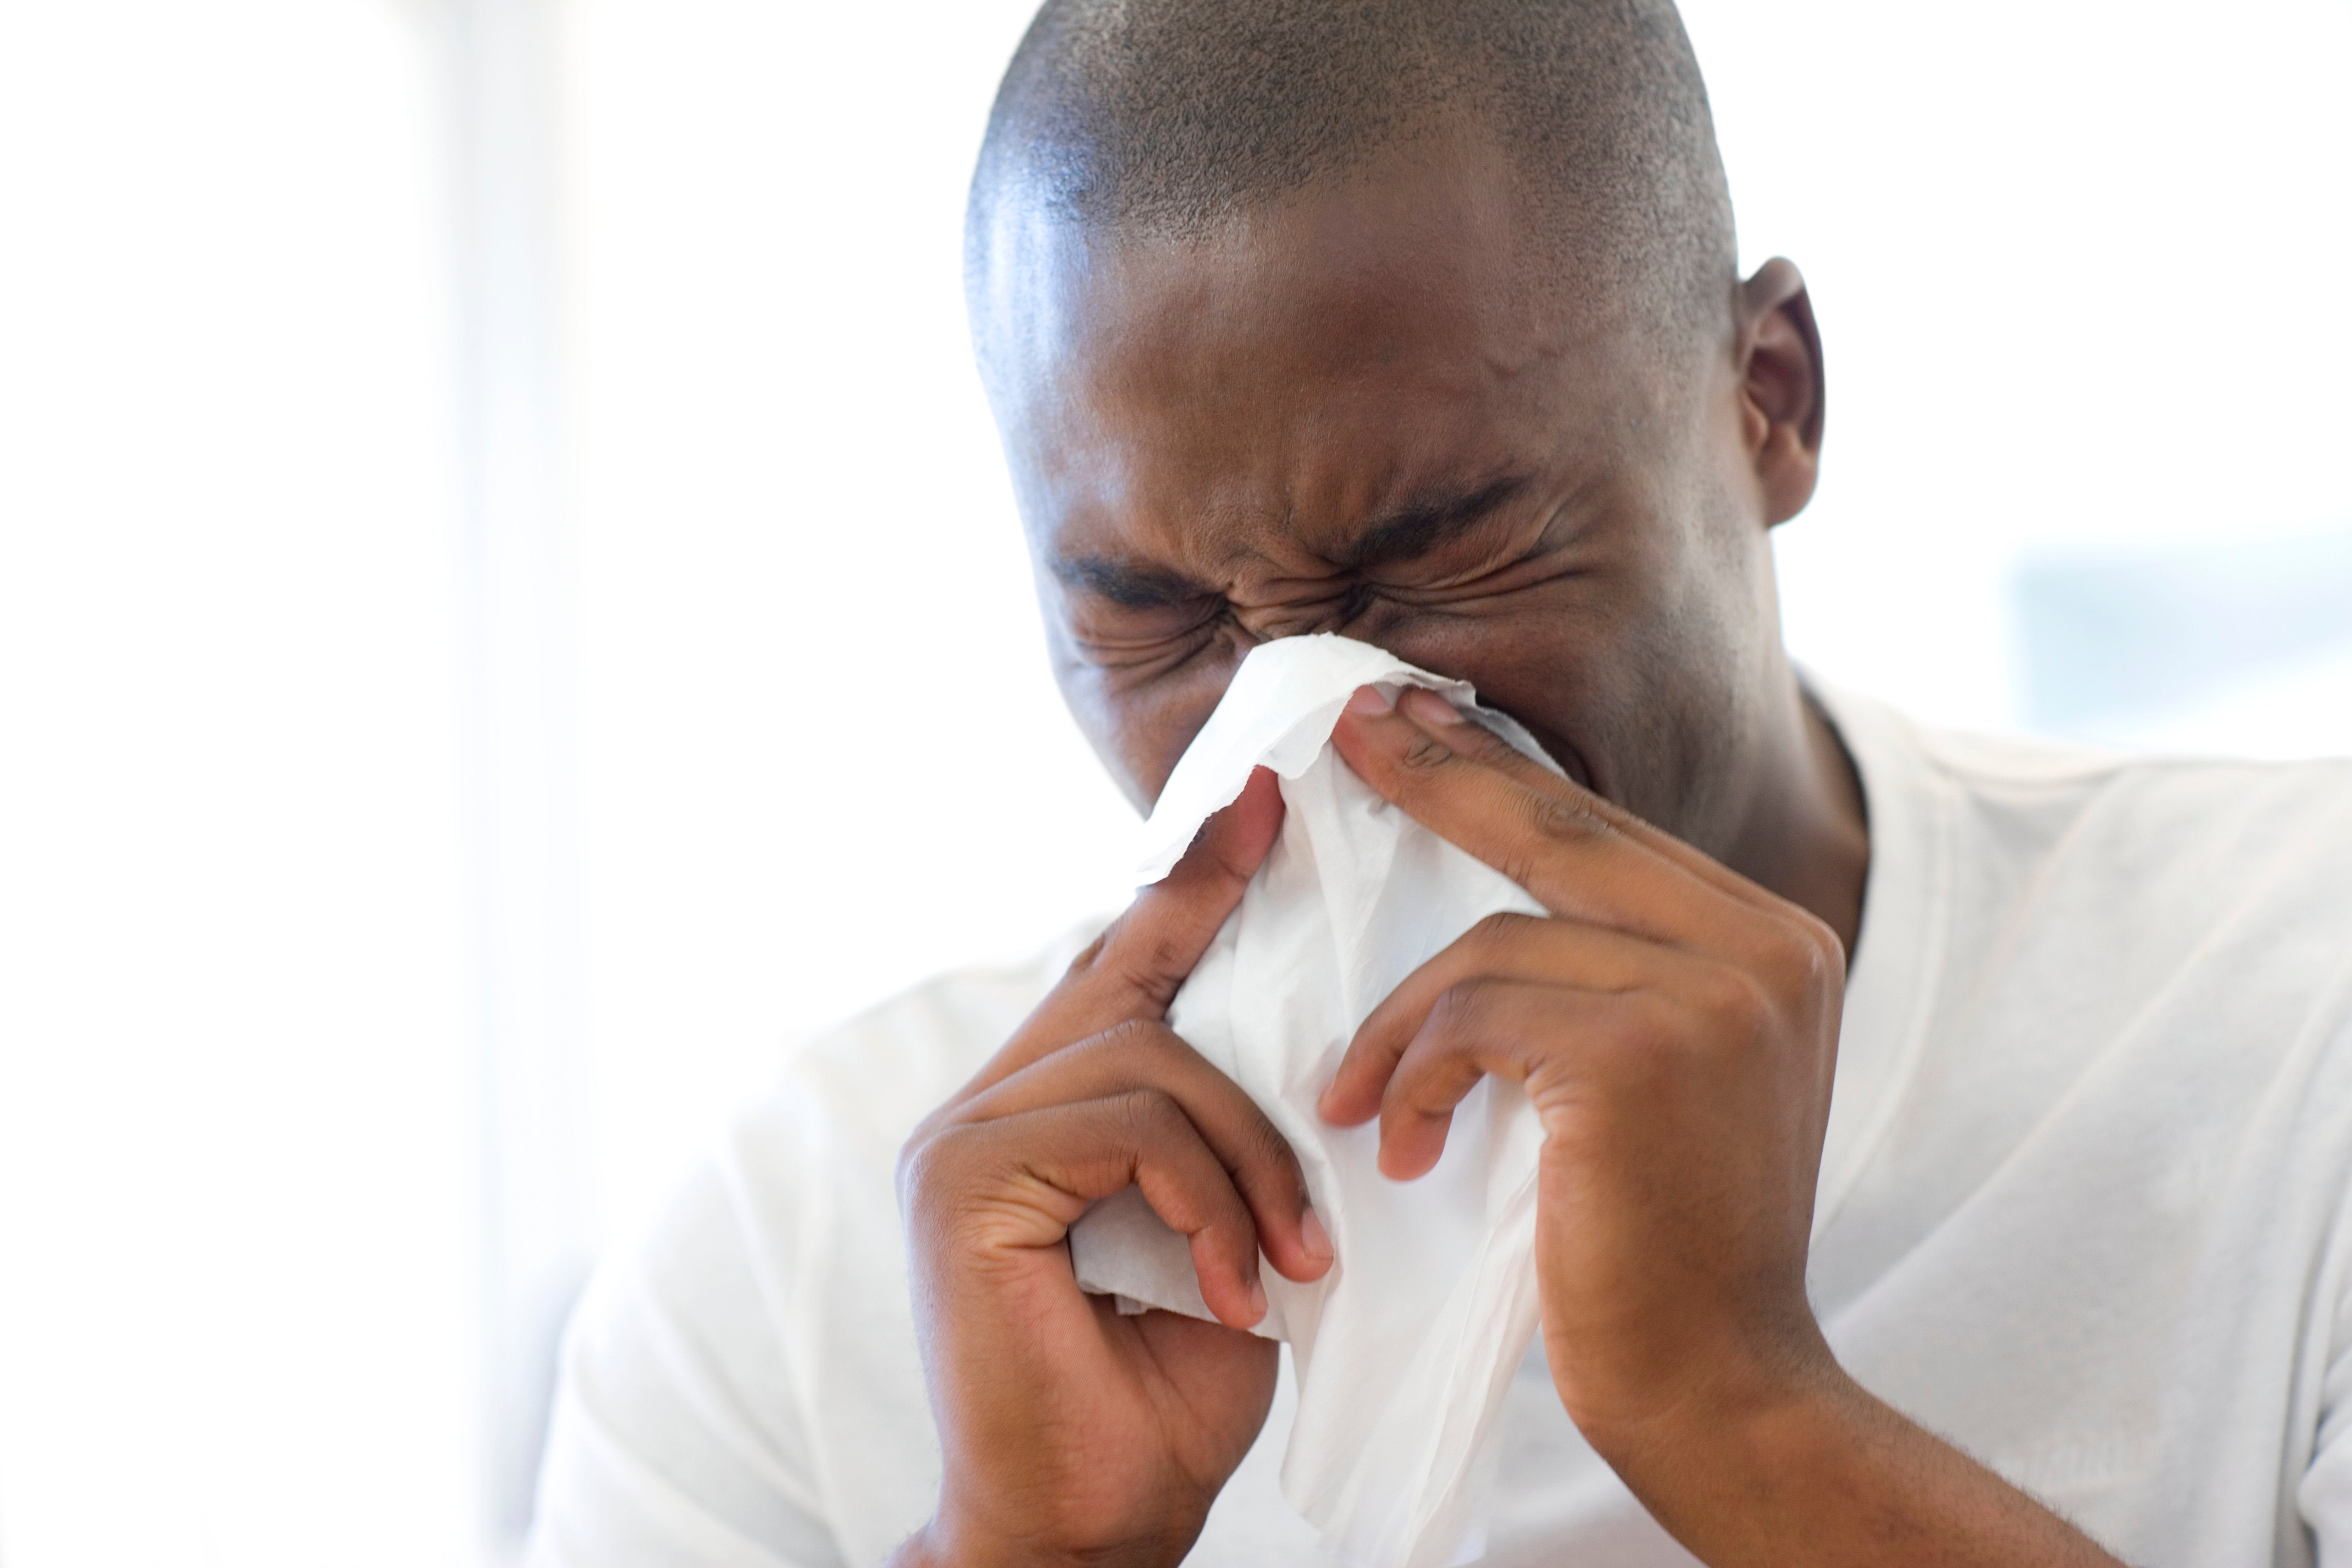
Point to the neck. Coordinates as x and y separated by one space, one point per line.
1808 837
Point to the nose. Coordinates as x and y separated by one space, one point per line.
1329 605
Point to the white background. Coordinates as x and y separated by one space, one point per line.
235 1093
2078 268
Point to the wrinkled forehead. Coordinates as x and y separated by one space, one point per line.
1324 357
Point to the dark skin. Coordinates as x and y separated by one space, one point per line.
1366 410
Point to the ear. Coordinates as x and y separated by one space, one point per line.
1780 390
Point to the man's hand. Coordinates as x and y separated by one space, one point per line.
1675 1028
1071 1434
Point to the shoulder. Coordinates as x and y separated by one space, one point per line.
2248 842
2104 884
2226 826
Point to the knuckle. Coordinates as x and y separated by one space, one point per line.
925 1166
1090 956
1266 1150
1145 955
1148 1115
1462 1011
1165 957
1159 967
1824 952
1148 1048
1554 817
1735 1000
1423 754
1129 1036
1803 957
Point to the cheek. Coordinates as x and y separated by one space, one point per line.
1699 667
1532 656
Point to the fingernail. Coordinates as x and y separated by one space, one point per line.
1367 702
1431 708
1311 1231
1258 1297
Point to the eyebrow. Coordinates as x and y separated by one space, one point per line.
1130 586
1401 533
1428 520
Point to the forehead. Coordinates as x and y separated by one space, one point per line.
1302 368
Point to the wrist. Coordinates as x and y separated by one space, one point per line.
1739 1447
1813 1469
1734 1416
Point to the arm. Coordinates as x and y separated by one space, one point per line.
1825 1474
1676 1027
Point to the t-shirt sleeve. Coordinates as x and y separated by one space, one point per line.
678 1439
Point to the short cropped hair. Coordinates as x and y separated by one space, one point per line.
1168 118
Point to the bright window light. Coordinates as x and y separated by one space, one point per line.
236 1115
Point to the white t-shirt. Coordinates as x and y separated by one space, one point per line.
2080 1210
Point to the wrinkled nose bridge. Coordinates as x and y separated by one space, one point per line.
1297 607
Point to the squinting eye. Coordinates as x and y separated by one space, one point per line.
1130 638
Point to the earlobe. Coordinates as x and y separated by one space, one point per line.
1781 386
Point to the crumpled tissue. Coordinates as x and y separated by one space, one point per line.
1403 1351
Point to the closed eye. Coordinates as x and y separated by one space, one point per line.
1145 641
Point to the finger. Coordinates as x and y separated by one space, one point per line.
1567 847
1083 1153
1145 1055
1134 969
1461 733
1506 1030
1710 908
1517 947
1153 947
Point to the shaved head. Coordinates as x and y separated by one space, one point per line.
1142 120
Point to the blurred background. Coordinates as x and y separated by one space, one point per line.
510 613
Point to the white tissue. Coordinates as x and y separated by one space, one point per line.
1403 1351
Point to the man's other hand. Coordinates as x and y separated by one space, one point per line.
1071 1434
1676 1027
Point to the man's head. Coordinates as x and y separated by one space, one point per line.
1412 319
1167 119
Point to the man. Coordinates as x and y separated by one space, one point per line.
1946 1140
